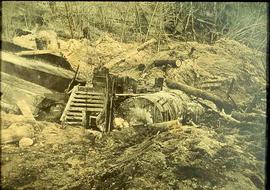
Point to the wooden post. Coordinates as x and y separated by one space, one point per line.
73 93
154 114
69 19
73 80
85 119
109 101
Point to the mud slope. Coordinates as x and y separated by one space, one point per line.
214 154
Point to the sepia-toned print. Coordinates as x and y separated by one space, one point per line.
133 95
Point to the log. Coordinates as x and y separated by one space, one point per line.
248 116
199 93
228 118
144 45
132 52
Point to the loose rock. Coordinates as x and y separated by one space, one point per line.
25 142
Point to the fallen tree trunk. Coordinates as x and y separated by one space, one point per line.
248 116
237 123
123 57
144 45
199 93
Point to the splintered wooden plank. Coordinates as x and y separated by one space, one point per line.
90 93
69 113
25 109
89 97
86 105
75 115
7 57
68 103
85 109
88 101
73 122
129 95
38 52
73 118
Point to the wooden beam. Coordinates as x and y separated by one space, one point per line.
72 104
25 109
87 109
85 96
38 52
87 101
200 93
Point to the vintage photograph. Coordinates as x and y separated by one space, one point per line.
133 95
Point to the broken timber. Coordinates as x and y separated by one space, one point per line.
25 109
54 58
36 71
123 57
199 93
82 99
109 101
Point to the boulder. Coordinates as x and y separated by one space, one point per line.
25 142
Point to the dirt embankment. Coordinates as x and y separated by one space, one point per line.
179 157
210 67
214 154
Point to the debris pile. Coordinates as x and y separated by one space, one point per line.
205 140
174 156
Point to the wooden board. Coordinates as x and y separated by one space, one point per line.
86 105
25 109
77 100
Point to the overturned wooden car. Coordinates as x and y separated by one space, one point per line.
34 76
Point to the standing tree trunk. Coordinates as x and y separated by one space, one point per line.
69 19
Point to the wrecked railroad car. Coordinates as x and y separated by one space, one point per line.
113 96
34 76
